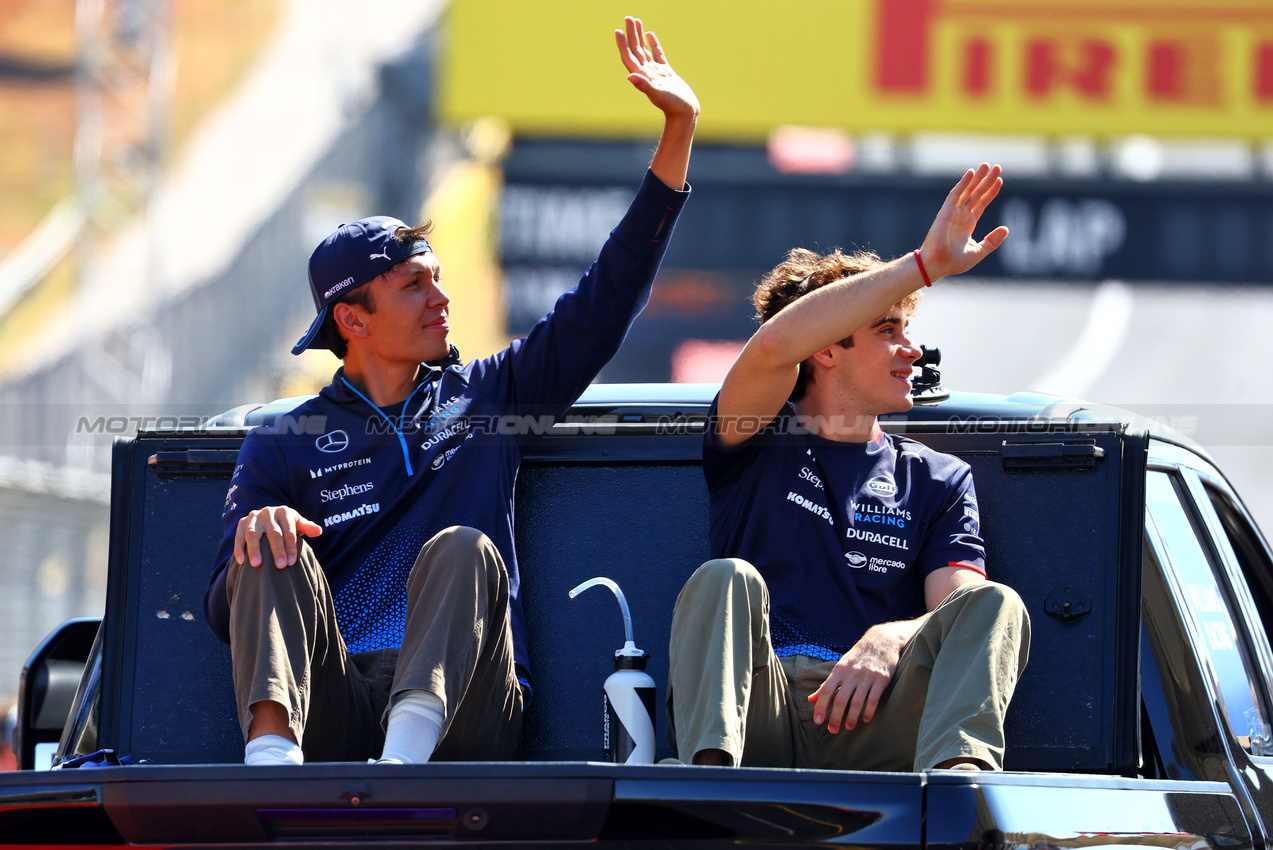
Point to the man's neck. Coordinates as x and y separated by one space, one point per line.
836 419
385 384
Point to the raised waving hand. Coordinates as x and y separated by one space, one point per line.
650 73
949 248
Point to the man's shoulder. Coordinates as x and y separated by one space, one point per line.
308 415
316 425
940 464
721 462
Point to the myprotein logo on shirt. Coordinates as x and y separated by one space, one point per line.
337 467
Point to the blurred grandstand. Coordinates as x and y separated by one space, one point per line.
162 279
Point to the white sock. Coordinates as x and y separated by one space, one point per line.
272 749
415 725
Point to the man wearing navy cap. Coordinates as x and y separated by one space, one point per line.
366 580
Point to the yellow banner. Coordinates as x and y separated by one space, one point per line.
1057 67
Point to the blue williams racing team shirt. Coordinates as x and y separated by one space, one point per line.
844 534
381 483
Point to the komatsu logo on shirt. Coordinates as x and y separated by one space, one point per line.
345 492
336 467
811 506
361 510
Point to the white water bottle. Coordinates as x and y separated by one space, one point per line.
628 696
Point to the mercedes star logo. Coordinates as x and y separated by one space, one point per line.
336 441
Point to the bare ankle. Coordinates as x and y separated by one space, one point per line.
716 758
962 763
270 718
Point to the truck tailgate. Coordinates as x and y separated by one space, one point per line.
557 802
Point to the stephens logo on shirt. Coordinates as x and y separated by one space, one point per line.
345 491
807 474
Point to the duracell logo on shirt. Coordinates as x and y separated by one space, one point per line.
881 539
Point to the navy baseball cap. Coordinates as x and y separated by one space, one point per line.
350 256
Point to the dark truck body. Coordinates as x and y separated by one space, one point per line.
1121 731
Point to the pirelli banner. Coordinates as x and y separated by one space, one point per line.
1056 67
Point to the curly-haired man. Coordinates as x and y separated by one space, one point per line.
846 621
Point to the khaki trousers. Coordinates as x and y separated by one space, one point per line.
727 689
286 646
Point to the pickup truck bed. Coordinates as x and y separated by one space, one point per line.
620 494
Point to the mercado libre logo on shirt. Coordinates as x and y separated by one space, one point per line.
856 560
880 484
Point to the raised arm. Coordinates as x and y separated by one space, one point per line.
762 377
649 71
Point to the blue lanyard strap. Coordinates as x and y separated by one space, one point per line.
397 429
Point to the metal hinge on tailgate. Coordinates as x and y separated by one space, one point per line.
194 461
1076 454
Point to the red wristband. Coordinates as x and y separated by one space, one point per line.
922 270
